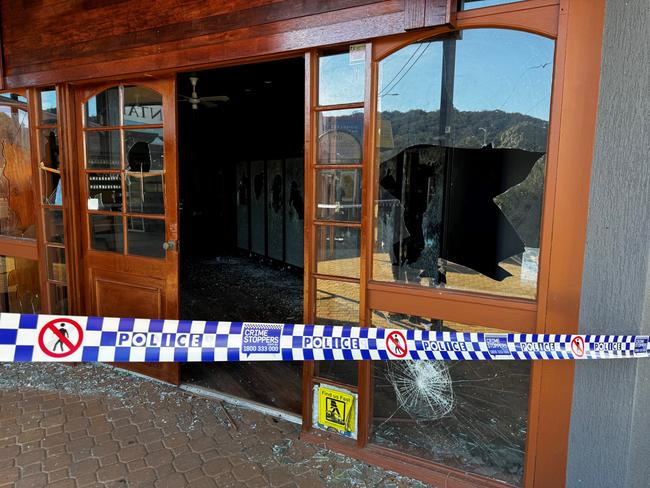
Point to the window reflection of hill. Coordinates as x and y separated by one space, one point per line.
502 129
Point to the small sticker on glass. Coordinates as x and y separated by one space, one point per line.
357 53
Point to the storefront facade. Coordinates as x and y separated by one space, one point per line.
452 144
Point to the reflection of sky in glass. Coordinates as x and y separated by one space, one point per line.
13 97
91 107
48 101
20 118
472 4
340 81
495 69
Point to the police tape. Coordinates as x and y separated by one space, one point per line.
49 338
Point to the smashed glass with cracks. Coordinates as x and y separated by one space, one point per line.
462 133
470 415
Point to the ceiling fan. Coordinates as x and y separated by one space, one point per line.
195 100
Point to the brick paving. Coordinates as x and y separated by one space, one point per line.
91 425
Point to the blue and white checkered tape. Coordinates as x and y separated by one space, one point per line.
96 339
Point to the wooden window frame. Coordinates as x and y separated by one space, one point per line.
576 27
34 97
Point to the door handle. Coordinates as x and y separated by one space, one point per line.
170 245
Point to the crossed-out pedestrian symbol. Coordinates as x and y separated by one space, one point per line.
63 335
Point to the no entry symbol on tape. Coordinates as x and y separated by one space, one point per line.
396 344
578 346
64 335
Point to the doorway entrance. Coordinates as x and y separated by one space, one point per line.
241 177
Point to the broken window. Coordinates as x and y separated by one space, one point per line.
470 415
462 135
17 216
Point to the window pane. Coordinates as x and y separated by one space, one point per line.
146 237
144 193
19 285
56 269
143 150
48 147
13 97
48 141
462 162
103 150
338 195
53 226
142 106
470 415
58 299
103 110
337 303
346 372
48 110
472 4
106 233
105 192
337 251
340 137
17 213
341 78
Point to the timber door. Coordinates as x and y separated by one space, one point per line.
129 199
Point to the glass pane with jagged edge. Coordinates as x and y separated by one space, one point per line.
469 415
462 132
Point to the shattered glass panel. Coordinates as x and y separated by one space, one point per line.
17 215
462 134
48 146
144 150
469 415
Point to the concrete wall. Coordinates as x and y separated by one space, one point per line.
610 424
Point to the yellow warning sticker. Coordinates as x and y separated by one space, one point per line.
336 409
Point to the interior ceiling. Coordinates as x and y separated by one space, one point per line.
243 83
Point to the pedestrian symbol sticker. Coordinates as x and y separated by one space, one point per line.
396 344
60 338
336 410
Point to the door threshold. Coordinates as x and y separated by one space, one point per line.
242 402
